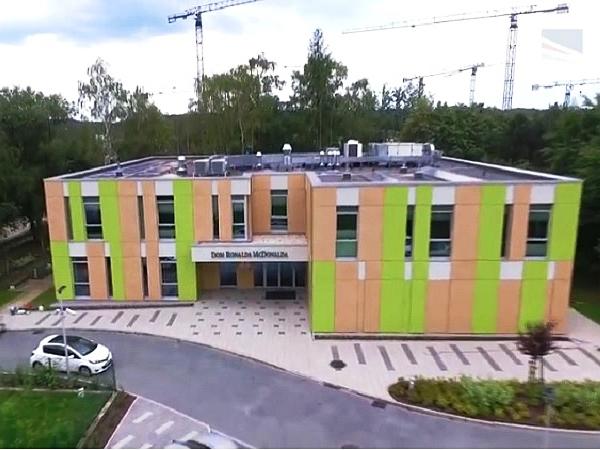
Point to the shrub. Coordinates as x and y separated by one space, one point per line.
487 394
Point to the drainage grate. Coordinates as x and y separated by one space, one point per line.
378 404
337 364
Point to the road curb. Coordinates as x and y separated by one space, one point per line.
397 404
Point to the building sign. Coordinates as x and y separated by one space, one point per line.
206 252
254 254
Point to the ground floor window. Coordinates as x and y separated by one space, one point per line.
228 274
81 276
168 277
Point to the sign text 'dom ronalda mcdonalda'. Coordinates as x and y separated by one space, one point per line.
256 254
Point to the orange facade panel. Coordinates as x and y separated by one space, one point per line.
519 222
209 276
509 303
150 211
346 306
133 278
245 276
203 225
225 211
465 230
153 267
436 306
559 304
323 239
296 206
370 233
97 270
371 319
460 310
128 211
57 218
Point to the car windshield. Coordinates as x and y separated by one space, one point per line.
82 345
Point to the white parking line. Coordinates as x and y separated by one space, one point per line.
143 417
123 442
146 445
190 435
164 427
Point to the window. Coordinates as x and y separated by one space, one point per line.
93 222
441 226
166 216
258 275
238 203
537 230
168 277
506 230
215 216
300 274
55 350
228 274
279 220
81 276
145 276
109 276
410 217
141 217
68 219
346 245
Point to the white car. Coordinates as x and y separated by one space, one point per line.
207 439
85 356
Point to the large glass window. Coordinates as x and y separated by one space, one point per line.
93 221
168 277
238 204
441 225
346 243
228 274
145 276
215 216
141 217
68 219
410 217
166 216
81 276
506 230
537 230
279 219
109 275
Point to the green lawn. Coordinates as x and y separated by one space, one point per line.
34 419
6 295
45 299
586 300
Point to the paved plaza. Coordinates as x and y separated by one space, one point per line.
277 332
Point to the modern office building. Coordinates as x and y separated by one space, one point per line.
394 240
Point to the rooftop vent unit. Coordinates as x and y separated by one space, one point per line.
218 166
353 149
322 160
202 167
419 175
258 160
181 166
346 176
287 156
118 170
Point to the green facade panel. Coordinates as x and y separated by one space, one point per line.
62 270
323 296
184 232
393 306
564 221
394 232
533 302
111 230
485 306
418 293
422 223
76 209
535 270
491 217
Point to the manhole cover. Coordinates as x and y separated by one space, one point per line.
337 364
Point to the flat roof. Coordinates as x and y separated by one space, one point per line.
365 170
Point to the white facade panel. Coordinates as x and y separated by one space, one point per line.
106 249
443 195
510 195
163 187
166 249
439 270
77 249
551 269
347 196
279 182
89 189
408 270
140 190
214 187
65 186
511 270
543 193
143 249
362 270
412 195
240 187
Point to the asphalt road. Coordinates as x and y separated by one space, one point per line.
266 407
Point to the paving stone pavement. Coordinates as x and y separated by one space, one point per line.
148 424
277 333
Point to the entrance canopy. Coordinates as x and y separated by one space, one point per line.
267 247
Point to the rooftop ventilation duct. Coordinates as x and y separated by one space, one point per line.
218 166
346 176
322 159
259 160
118 170
181 166
353 149
201 167
287 156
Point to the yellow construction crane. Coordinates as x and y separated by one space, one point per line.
569 85
473 68
197 12
512 13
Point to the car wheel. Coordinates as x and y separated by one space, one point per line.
37 366
85 371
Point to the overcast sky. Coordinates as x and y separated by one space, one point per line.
48 44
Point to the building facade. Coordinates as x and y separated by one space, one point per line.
455 248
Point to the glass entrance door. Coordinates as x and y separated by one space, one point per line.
279 275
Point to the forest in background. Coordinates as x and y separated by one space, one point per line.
45 135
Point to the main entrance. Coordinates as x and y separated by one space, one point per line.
280 274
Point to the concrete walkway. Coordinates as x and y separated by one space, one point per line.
276 332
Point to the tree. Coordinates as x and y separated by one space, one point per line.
314 90
106 100
537 342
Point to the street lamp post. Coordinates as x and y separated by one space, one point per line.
62 322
